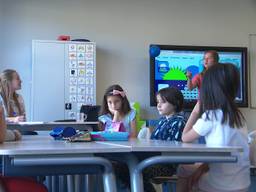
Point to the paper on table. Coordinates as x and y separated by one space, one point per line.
31 123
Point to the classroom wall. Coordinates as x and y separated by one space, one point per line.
1 24
123 31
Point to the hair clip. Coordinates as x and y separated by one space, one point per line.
117 92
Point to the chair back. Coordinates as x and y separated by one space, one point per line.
90 112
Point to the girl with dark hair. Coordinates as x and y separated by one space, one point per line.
116 111
217 118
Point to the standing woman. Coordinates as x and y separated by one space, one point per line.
211 58
13 102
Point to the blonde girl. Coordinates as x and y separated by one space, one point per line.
13 102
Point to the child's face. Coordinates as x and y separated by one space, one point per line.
114 103
164 107
208 60
16 82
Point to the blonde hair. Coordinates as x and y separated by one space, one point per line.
6 78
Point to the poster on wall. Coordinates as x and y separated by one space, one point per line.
81 77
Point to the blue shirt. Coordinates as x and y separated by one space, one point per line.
169 128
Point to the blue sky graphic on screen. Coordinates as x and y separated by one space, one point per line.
171 67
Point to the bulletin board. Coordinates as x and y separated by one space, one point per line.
63 79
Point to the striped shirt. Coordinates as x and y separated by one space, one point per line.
169 128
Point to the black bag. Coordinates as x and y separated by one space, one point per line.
90 112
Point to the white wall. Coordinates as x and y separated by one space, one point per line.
123 31
1 24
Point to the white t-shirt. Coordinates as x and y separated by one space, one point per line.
224 176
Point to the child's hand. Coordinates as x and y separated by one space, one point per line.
112 111
17 135
189 75
21 118
117 116
116 113
18 119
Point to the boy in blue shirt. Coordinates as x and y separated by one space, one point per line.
170 127
169 104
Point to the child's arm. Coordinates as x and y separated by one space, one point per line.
101 126
17 134
2 125
189 134
133 125
12 135
190 83
117 116
16 119
103 120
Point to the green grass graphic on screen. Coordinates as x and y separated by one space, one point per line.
175 74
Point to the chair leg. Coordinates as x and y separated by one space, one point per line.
165 187
173 187
55 183
77 181
70 183
48 182
62 183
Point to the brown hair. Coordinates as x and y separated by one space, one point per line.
219 88
173 96
109 92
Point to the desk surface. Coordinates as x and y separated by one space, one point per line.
44 144
38 123
39 145
171 146
43 150
42 126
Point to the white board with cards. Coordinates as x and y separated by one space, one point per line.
63 78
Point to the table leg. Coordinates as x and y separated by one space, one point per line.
109 180
136 172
